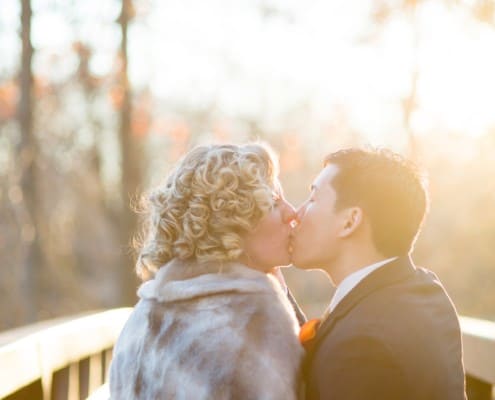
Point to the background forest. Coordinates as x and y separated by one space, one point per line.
99 98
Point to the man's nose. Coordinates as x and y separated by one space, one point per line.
300 211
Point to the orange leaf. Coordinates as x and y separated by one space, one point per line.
8 100
116 95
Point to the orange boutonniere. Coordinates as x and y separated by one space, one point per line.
308 331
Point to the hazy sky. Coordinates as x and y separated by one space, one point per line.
263 58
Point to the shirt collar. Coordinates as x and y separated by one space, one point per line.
351 281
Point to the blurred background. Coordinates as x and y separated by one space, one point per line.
98 98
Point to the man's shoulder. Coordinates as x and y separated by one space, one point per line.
406 324
393 311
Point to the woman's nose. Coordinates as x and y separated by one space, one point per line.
288 213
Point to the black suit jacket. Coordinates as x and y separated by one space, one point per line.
396 335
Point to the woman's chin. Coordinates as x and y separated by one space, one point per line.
284 261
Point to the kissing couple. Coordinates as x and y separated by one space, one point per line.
215 319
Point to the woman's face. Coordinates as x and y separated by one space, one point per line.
267 246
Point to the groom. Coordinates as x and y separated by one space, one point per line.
391 331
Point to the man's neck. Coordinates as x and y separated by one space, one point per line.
348 266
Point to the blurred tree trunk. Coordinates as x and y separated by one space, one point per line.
130 165
27 150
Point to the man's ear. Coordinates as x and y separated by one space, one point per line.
352 220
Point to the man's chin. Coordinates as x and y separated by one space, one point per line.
298 262
286 262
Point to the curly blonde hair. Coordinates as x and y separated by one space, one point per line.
213 195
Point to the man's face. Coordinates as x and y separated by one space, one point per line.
315 240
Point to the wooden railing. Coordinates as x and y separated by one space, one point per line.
478 337
63 359
68 359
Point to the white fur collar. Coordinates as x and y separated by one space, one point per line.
179 280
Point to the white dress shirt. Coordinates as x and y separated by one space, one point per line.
351 281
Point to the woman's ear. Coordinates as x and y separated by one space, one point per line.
352 219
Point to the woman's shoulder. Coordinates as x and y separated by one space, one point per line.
181 281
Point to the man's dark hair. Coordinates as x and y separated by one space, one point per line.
390 191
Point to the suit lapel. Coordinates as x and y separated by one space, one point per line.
384 276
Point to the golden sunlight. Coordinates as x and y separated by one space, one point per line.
457 89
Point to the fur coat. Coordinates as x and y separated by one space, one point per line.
208 332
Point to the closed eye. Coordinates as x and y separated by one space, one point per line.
276 199
313 189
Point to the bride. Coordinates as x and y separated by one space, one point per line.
212 321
